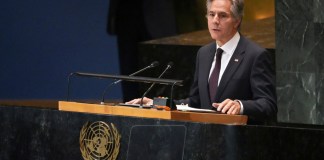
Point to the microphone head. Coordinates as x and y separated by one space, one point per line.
170 64
154 64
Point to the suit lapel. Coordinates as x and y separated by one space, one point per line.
231 68
208 60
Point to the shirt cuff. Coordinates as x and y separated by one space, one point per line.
241 110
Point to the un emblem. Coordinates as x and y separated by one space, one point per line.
99 141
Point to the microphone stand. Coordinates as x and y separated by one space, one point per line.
152 65
125 78
149 89
68 87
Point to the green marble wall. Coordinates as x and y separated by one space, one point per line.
299 61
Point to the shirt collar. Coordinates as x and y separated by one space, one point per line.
229 46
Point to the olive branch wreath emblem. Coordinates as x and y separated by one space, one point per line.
99 141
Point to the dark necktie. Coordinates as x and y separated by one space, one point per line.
213 80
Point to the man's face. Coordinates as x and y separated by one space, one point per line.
221 23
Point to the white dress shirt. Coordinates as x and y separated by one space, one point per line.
228 50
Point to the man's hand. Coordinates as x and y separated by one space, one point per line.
228 106
146 101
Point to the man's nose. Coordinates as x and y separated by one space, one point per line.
215 19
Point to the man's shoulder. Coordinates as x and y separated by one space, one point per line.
251 45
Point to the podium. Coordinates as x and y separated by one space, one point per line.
153 113
37 132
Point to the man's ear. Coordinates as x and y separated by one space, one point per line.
238 23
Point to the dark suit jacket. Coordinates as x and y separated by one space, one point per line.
248 77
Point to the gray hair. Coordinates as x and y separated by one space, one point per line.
237 8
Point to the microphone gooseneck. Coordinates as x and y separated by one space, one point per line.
170 64
152 65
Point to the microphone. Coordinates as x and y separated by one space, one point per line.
170 64
152 65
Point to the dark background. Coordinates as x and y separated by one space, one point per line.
42 42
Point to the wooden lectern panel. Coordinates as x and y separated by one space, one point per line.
153 113
209 117
113 110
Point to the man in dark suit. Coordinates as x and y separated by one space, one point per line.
246 83
233 75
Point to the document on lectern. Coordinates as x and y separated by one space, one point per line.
185 107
